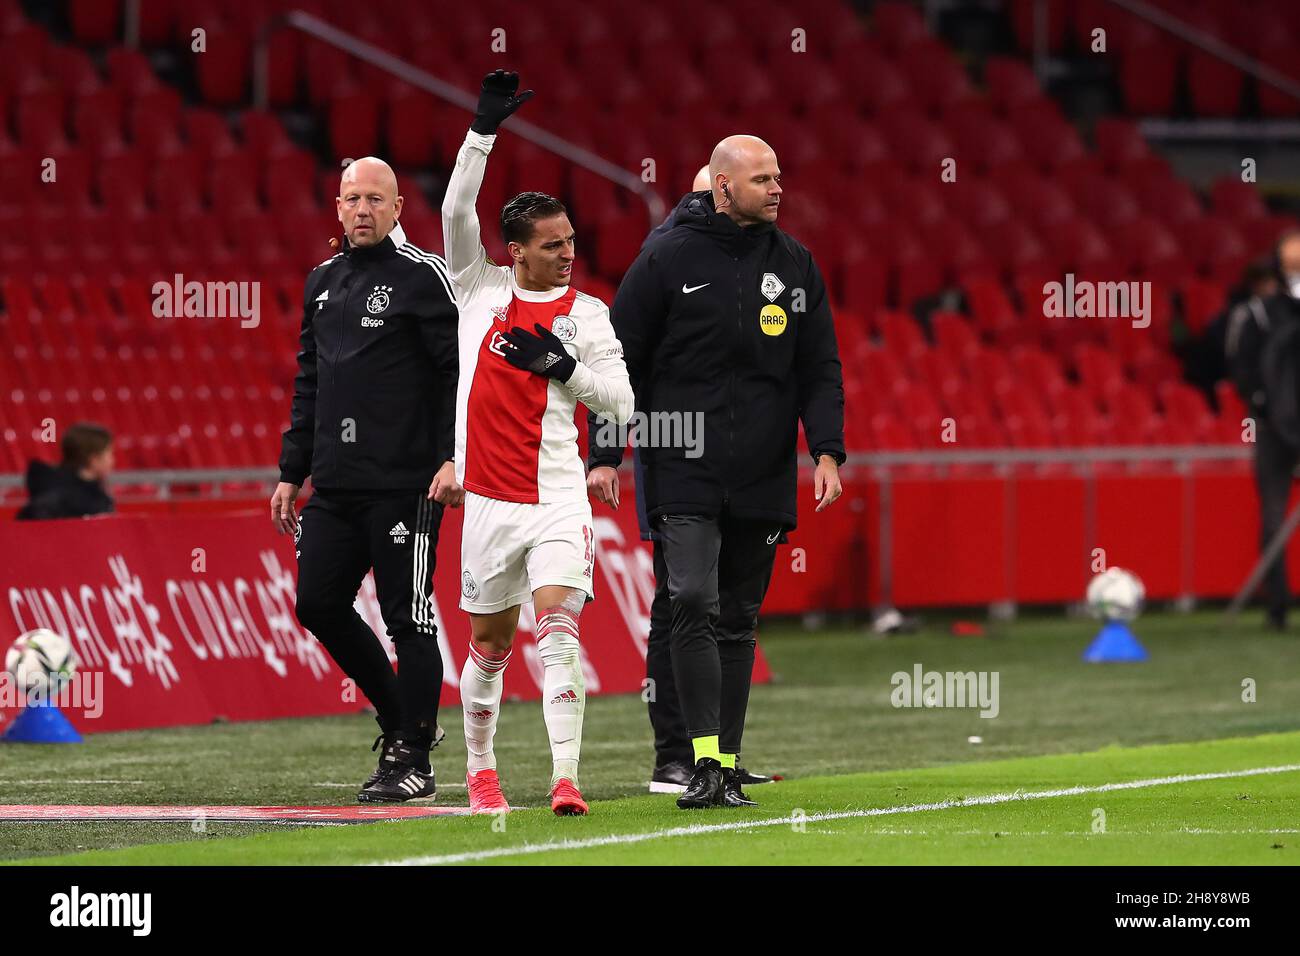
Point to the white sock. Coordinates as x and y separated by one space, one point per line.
480 697
564 695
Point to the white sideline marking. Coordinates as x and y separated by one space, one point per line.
700 829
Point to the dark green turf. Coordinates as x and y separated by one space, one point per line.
829 712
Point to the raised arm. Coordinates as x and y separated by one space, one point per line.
462 239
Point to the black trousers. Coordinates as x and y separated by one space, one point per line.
711 574
344 536
1275 462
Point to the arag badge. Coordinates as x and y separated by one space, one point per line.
772 320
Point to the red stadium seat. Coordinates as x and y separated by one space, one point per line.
95 22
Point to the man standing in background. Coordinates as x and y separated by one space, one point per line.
1263 342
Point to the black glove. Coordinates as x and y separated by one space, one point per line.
541 354
497 101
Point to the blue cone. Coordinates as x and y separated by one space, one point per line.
1114 643
41 724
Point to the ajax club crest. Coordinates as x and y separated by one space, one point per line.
377 301
564 328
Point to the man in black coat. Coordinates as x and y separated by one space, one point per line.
373 424
727 333
1263 339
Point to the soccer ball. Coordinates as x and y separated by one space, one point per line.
1116 595
41 660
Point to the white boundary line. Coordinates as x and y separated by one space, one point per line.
701 829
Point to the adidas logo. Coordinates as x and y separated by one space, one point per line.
480 714
323 296
399 533
551 359
568 697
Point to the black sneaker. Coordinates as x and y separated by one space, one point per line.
705 786
670 777
387 741
378 772
748 778
732 795
405 775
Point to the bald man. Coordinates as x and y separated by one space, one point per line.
674 762
725 322
373 424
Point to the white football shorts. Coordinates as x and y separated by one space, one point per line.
509 549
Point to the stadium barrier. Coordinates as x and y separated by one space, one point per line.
190 619
953 527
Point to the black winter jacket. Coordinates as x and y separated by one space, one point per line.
374 401
733 324
59 492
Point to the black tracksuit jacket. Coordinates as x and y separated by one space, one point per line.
735 324
374 401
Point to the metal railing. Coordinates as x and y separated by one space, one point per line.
167 480
879 468
421 79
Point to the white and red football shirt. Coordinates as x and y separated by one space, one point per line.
515 435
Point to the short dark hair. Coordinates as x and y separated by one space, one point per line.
520 214
83 441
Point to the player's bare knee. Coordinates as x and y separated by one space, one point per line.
494 633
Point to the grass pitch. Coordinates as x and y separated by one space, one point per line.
1083 764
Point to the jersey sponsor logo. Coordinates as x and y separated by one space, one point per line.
564 328
399 533
771 286
369 323
687 290
468 586
497 344
772 320
377 301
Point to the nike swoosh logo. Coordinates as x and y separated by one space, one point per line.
772 539
689 289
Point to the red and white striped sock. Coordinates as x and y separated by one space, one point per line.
480 697
564 695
